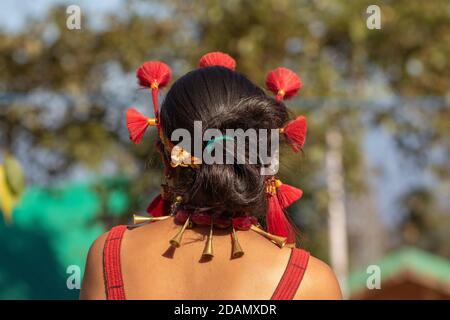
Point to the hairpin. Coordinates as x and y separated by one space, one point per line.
181 157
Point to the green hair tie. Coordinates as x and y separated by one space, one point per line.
211 142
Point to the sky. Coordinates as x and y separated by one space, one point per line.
378 146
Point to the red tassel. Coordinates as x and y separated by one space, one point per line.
136 124
276 220
158 207
295 132
283 82
217 59
154 75
287 195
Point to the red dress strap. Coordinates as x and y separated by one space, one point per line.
111 264
293 275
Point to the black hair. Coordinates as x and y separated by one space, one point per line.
221 99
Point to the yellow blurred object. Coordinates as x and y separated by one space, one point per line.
7 198
13 174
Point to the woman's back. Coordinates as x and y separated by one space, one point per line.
152 269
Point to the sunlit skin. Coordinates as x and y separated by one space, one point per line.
152 269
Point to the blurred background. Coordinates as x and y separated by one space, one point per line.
374 171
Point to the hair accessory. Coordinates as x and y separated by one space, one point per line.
287 194
276 220
284 83
279 197
211 142
137 124
295 132
154 75
175 205
217 59
180 157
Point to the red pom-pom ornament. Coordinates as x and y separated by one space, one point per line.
295 132
154 75
284 83
217 59
137 123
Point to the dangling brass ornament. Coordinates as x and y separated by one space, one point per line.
176 240
237 250
208 252
137 219
279 241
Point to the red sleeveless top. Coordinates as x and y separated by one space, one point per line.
286 289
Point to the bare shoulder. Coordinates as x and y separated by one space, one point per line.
319 282
93 286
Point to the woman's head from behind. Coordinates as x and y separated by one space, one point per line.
238 180
221 99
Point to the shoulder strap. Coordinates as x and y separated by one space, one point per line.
111 264
293 275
